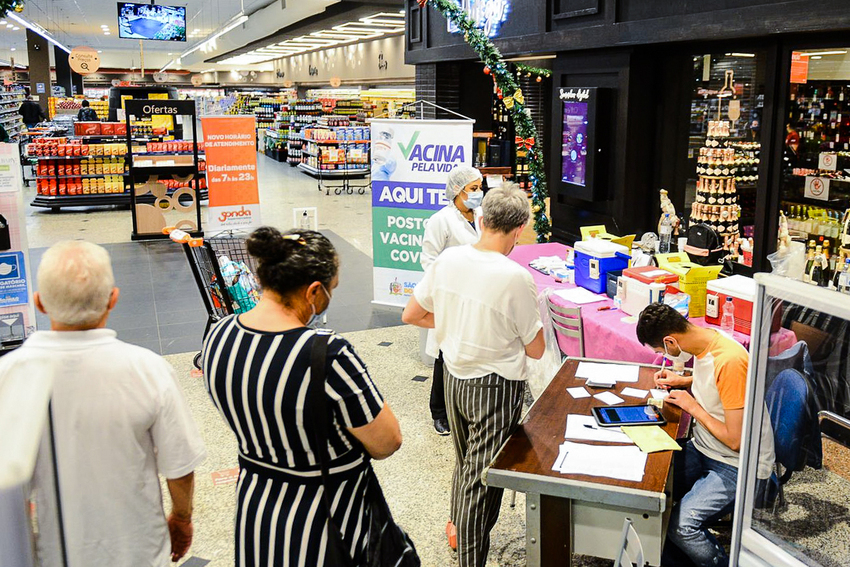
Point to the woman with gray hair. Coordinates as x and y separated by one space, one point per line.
486 332
455 224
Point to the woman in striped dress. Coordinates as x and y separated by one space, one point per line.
256 367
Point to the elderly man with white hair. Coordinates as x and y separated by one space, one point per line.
119 419
455 224
483 307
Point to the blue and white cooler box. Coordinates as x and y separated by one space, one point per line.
594 259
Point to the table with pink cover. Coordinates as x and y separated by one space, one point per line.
606 335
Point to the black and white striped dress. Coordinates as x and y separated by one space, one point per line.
259 382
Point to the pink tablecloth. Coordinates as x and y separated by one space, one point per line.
606 335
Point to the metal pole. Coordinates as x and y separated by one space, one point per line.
142 53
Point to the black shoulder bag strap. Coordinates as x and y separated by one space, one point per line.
337 552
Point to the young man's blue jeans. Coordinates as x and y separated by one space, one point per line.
704 492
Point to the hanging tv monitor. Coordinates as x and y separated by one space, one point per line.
151 21
578 139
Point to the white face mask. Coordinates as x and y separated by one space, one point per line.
682 357
314 318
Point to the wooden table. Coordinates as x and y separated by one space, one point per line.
583 514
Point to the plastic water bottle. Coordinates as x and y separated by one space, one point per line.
727 321
666 234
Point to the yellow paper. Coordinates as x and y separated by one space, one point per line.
650 438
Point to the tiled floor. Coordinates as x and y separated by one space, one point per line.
160 306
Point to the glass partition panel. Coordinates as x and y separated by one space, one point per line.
801 394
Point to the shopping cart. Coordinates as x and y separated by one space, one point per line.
224 273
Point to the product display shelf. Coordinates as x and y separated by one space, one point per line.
717 198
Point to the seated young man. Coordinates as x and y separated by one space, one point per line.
706 471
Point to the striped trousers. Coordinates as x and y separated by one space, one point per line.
482 413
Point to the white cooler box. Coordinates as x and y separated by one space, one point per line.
635 295
742 290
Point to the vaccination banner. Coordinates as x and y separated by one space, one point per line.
411 160
234 196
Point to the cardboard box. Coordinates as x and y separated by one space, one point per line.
693 278
107 128
87 128
120 128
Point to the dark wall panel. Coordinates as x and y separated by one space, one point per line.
625 131
633 10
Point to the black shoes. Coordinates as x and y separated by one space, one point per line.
441 426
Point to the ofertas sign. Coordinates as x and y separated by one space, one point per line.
411 160
234 197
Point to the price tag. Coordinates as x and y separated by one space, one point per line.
144 163
817 188
166 162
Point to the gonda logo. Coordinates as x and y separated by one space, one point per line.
227 215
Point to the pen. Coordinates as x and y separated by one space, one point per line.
589 426
604 308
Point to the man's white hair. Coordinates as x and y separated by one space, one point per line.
75 281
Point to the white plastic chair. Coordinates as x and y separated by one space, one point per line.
630 550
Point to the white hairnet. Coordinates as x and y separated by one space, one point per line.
460 177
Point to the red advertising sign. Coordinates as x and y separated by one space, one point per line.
799 67
234 196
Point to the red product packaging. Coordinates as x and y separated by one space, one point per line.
63 189
42 168
107 128
76 150
87 128
120 128
76 169
60 150
84 149
51 167
51 185
60 169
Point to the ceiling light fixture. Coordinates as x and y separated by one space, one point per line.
39 30
236 21
15 28
742 54
13 49
832 52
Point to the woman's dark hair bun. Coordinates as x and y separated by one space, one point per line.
266 244
290 260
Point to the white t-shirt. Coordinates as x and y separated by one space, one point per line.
119 418
446 228
485 311
720 384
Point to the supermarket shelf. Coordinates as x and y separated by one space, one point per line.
95 200
90 176
87 156
338 142
9 111
332 172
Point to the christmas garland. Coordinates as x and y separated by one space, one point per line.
528 71
509 92
10 5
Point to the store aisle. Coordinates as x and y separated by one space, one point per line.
160 306
281 188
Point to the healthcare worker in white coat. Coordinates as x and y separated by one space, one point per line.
454 225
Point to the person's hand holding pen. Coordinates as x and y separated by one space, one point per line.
667 379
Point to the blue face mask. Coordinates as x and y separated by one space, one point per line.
313 322
474 200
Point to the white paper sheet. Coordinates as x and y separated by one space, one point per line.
624 463
578 392
634 393
609 398
585 427
660 394
580 296
605 372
